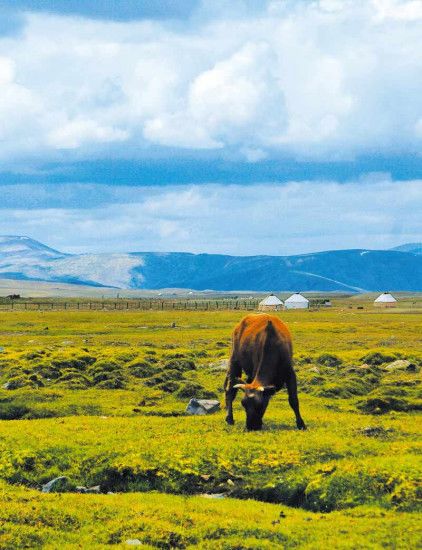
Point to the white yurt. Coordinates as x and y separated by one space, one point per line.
296 301
270 303
385 300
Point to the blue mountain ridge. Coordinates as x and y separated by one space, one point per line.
338 270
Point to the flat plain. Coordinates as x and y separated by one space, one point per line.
99 397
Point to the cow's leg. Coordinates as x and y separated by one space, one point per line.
293 400
232 378
230 396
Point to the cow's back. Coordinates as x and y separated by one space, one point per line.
263 347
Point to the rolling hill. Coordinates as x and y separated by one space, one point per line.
22 258
414 248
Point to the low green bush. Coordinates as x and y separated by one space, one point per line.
193 389
180 365
329 360
377 358
143 369
383 400
11 411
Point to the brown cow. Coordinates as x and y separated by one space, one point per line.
262 349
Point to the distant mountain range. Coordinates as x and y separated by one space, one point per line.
415 248
23 258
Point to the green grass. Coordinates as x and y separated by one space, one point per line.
33 520
100 397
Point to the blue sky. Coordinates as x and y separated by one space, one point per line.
146 107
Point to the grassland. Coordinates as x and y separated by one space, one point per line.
99 397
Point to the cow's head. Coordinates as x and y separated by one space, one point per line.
255 403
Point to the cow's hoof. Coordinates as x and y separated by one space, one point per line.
301 426
229 421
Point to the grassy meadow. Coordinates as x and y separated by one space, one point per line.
100 396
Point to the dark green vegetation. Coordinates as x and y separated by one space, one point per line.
100 397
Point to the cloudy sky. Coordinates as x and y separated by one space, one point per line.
229 126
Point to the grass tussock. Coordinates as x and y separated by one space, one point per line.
101 398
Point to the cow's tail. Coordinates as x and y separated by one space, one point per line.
270 330
270 333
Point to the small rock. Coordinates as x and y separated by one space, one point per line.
94 490
400 364
314 369
55 484
202 406
133 542
220 366
80 489
213 495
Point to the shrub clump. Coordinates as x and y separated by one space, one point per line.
12 411
377 358
180 365
329 360
194 389
383 400
170 386
143 369
16 382
164 376
108 375
74 380
78 363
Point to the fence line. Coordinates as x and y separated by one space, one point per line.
121 305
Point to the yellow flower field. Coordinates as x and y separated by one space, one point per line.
100 398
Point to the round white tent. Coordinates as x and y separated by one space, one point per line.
296 301
385 300
270 303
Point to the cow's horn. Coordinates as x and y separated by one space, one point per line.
263 388
240 386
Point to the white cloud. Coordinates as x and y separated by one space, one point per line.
323 79
398 9
257 219
78 132
253 155
19 108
